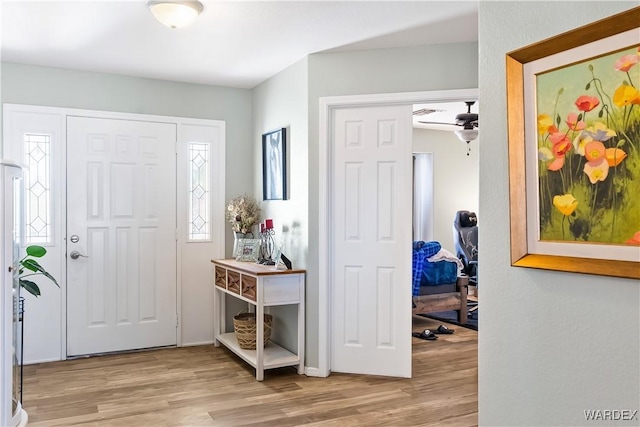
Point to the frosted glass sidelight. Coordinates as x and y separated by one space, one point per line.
199 191
37 203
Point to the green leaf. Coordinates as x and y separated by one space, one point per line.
36 251
29 264
588 86
32 264
30 287
50 277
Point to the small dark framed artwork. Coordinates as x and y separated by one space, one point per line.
274 165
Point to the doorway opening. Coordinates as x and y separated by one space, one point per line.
455 188
328 106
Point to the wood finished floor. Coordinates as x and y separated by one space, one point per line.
208 386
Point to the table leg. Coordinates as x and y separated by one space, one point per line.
216 316
259 342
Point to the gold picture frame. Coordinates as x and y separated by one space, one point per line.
517 81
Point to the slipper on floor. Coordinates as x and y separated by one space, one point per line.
442 329
425 335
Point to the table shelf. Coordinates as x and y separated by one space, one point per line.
274 355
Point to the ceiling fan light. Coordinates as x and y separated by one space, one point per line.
466 135
175 14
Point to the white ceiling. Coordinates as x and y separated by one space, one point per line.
233 43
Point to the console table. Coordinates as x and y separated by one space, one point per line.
261 286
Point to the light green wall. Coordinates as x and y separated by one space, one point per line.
56 87
282 102
551 344
423 68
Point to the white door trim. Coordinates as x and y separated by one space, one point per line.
325 246
217 208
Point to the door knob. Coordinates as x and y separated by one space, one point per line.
76 255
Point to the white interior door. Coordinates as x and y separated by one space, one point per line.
371 240
121 222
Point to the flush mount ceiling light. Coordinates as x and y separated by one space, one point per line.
175 14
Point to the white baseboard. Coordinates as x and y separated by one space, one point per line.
33 362
314 372
194 344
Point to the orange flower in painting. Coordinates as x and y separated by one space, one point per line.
626 62
561 143
594 151
573 123
556 164
614 156
587 103
626 95
597 170
635 240
544 123
566 204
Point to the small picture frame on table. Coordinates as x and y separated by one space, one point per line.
248 250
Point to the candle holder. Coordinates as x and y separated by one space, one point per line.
267 243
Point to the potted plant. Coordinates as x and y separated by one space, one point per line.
28 267
243 213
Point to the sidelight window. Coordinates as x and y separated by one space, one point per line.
199 191
38 222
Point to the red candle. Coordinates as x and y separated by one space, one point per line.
268 224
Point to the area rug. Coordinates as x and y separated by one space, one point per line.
452 317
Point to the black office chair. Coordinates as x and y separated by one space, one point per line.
465 237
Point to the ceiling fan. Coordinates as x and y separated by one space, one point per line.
467 121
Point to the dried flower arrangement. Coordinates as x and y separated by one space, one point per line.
243 213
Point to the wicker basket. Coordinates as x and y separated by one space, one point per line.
244 325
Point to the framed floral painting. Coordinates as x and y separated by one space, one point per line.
574 147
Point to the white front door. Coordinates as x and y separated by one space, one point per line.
121 235
371 236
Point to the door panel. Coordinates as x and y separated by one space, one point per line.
121 205
371 274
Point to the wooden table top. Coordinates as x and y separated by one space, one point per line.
253 268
